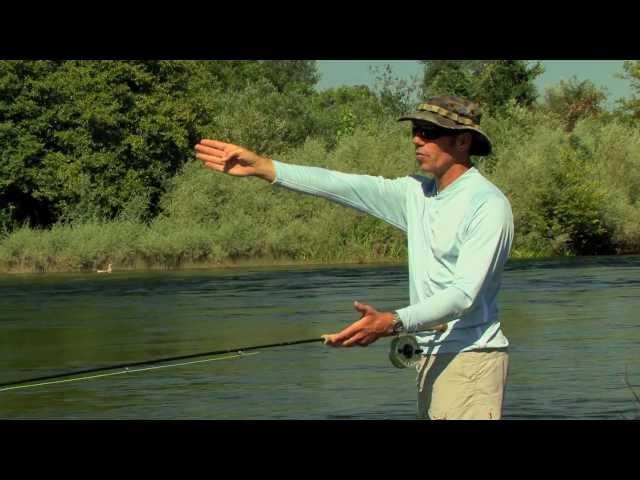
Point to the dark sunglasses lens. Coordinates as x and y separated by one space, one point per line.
426 132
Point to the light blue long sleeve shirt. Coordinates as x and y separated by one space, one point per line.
458 243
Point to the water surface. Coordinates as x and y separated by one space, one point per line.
572 323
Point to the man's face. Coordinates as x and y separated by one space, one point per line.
434 148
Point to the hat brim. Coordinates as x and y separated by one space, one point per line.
481 145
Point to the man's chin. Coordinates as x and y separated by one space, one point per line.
423 166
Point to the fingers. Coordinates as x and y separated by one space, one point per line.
357 333
216 155
216 144
212 162
210 158
234 153
211 151
359 339
331 341
339 338
215 166
214 148
363 308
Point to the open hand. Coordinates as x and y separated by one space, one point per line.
233 160
371 326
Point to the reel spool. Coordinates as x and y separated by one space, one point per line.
404 351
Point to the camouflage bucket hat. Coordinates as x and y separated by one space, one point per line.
454 113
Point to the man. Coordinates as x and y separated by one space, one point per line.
459 229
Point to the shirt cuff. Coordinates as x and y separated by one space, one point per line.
276 164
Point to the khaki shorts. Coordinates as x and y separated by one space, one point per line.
462 386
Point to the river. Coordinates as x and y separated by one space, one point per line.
573 325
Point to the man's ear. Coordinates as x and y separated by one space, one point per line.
463 141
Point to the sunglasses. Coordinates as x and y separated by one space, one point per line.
429 133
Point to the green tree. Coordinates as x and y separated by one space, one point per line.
631 106
397 96
449 77
291 75
573 100
84 139
337 112
502 81
101 139
284 75
491 83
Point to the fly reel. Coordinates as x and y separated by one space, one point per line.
404 351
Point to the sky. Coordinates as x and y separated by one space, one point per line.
600 72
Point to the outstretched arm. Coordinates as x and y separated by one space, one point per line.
380 197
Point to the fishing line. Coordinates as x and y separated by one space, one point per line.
127 370
127 366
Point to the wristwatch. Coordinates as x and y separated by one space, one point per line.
398 326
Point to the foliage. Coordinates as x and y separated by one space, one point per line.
397 96
631 106
490 83
90 140
337 112
82 139
573 100
97 164
570 193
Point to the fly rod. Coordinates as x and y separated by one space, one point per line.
127 366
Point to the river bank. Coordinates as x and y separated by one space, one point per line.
258 263
240 263
347 238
